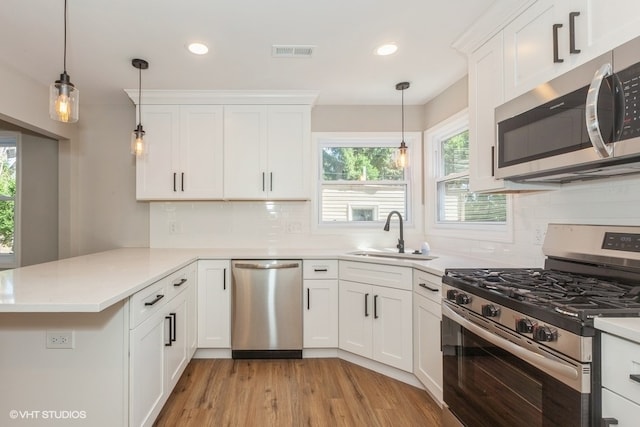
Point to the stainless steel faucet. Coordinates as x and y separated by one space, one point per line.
400 244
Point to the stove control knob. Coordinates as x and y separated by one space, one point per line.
451 294
524 326
490 310
545 333
463 299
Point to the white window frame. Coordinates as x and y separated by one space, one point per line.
13 260
433 136
413 175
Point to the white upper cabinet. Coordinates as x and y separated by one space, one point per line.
554 36
184 159
266 152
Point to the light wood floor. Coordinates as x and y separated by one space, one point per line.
300 392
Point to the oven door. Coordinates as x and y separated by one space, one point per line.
489 380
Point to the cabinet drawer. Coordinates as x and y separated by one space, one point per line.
376 274
320 269
180 280
147 301
624 411
620 358
428 285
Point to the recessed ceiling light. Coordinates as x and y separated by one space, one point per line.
198 48
386 49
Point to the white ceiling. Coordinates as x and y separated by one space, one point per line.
104 35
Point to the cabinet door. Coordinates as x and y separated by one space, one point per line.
528 42
320 313
623 410
176 353
427 356
192 320
245 136
146 370
356 316
288 151
611 23
214 304
201 150
392 327
485 94
155 170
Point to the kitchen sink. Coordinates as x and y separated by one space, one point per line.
394 255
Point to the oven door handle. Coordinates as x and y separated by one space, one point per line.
535 359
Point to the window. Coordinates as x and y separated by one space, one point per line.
8 167
455 206
359 182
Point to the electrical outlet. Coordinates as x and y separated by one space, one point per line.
59 339
538 235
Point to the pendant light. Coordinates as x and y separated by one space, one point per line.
63 95
402 157
138 144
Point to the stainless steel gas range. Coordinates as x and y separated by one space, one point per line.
519 345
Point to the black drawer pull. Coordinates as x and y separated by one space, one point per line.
635 377
424 285
320 270
308 299
180 283
158 298
572 32
366 305
375 306
173 327
606 422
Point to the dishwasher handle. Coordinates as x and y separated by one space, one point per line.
266 266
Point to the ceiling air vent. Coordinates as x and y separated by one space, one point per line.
292 51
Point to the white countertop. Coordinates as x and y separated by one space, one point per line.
624 327
91 283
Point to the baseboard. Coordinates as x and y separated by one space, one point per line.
212 353
319 353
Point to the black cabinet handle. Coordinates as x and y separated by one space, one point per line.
572 32
270 181
556 58
174 182
375 306
180 282
182 181
173 329
606 422
320 270
424 285
170 323
308 299
493 160
366 305
224 279
262 181
635 377
157 298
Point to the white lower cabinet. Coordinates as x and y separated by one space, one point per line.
620 381
320 313
376 321
160 344
427 315
214 304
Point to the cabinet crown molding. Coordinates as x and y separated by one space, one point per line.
224 97
497 16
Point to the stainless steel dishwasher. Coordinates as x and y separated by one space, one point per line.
266 318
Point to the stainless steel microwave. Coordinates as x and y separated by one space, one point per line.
584 124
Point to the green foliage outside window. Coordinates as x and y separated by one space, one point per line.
360 164
7 195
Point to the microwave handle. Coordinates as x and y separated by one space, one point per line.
603 149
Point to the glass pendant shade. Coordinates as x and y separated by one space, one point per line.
138 143
63 100
402 156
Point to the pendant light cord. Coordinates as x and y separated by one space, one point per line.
139 95
402 113
64 65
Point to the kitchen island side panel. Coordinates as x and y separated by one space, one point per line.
84 386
